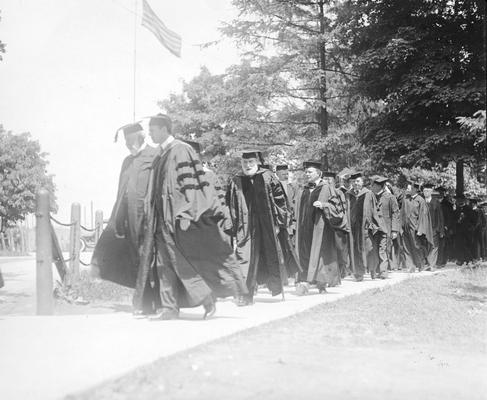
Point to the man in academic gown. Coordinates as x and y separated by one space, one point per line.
464 224
195 262
291 191
478 227
356 198
437 225
343 230
381 222
417 228
116 254
345 187
319 209
446 244
260 216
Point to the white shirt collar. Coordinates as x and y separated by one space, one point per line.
167 142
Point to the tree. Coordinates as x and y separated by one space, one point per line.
238 109
288 96
22 173
295 40
425 60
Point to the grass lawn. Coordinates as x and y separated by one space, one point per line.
420 339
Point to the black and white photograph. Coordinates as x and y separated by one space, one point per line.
243 199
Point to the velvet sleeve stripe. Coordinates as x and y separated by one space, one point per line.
188 164
190 175
184 176
194 187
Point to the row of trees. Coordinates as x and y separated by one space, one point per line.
377 84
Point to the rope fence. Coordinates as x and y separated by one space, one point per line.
59 222
49 251
87 229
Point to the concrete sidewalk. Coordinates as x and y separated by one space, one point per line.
51 357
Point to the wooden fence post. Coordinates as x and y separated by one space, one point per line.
98 225
44 286
74 241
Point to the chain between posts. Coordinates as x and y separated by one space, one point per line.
87 229
59 222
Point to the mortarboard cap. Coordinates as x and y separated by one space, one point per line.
282 167
253 153
312 164
195 145
417 185
428 186
355 175
128 129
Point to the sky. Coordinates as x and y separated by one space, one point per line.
68 76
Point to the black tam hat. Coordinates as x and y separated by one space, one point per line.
128 129
312 164
282 167
253 153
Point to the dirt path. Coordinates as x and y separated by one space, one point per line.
421 339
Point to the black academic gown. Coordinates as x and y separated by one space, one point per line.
315 235
446 248
360 246
195 258
417 231
259 213
116 254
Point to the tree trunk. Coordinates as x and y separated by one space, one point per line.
323 116
460 178
324 161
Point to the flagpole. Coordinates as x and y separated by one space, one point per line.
135 57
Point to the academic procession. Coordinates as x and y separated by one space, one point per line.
183 238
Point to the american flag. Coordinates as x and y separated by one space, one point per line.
168 38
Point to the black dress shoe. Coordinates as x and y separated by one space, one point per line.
139 314
243 301
210 309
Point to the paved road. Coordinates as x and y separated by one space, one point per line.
50 357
